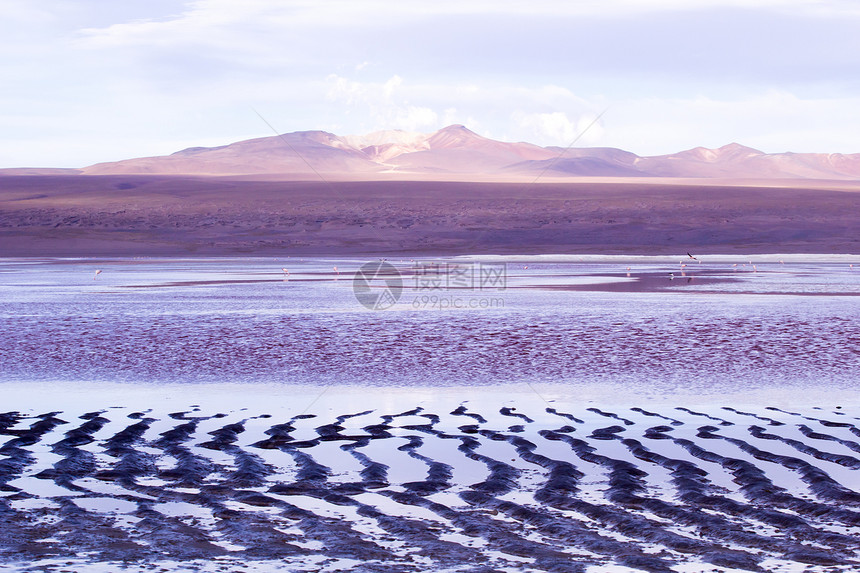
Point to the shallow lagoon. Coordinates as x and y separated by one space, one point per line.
645 324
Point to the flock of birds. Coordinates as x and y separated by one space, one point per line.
672 275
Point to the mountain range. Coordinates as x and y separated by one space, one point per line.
455 152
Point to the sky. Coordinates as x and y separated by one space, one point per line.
87 81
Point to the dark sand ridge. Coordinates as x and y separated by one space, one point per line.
561 491
140 215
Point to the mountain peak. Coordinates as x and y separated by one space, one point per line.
455 128
454 136
735 148
731 151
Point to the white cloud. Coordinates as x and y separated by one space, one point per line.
399 104
773 121
414 118
211 15
391 85
345 91
558 128
386 103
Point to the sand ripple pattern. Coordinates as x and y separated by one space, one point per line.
479 489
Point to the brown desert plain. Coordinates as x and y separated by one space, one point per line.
452 192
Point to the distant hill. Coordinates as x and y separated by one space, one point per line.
455 152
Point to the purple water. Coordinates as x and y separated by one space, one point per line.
567 322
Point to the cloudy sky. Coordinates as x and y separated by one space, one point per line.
99 80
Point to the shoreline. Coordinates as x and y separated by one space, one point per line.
303 397
557 258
